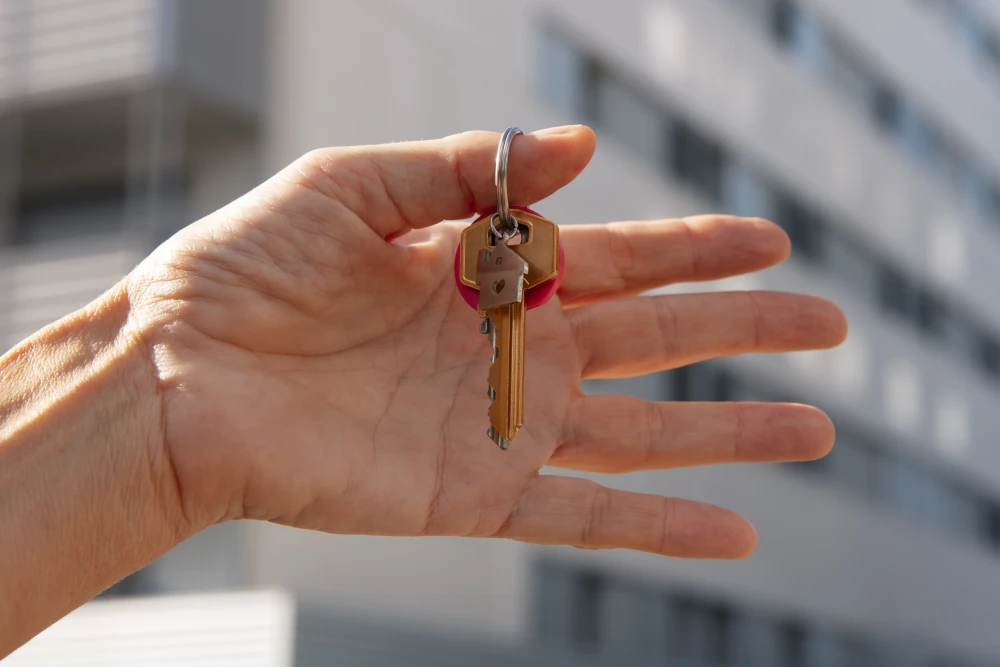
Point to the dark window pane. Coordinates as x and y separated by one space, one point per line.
719 635
804 227
989 356
563 72
722 387
992 527
933 315
593 77
993 204
783 21
697 160
702 382
681 383
793 646
70 215
887 109
895 293
586 623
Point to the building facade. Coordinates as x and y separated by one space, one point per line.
866 130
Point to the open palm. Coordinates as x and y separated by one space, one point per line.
318 367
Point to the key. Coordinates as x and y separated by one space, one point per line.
500 274
503 271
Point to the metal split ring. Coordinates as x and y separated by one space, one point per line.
505 234
507 222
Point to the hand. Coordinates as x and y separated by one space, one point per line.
317 367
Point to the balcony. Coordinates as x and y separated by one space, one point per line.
68 49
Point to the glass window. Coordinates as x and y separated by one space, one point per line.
803 225
563 77
760 11
896 294
933 315
783 18
917 135
887 109
846 71
981 195
793 645
680 383
703 632
991 522
91 210
851 467
696 160
555 589
631 119
851 263
801 33
987 354
586 619
858 652
745 192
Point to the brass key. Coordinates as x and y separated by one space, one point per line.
502 273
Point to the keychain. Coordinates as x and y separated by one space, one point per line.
508 262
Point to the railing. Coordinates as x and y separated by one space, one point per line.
54 45
41 283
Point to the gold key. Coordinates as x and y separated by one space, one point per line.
503 256
503 271
500 274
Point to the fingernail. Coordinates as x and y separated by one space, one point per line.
563 129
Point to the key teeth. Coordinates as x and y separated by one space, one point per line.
497 438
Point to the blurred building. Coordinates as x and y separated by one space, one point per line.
868 130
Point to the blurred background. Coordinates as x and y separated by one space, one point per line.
868 129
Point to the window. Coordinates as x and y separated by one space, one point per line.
896 294
851 263
887 109
585 625
696 160
703 632
804 227
563 73
744 191
783 20
989 355
793 646
801 33
631 119
42 217
918 136
852 466
702 382
858 653
847 72
981 195
933 315
992 525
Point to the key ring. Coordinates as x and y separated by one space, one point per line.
506 234
507 223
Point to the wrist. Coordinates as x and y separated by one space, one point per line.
82 464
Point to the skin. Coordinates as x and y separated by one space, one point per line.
302 356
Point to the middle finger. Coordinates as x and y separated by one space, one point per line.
642 335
